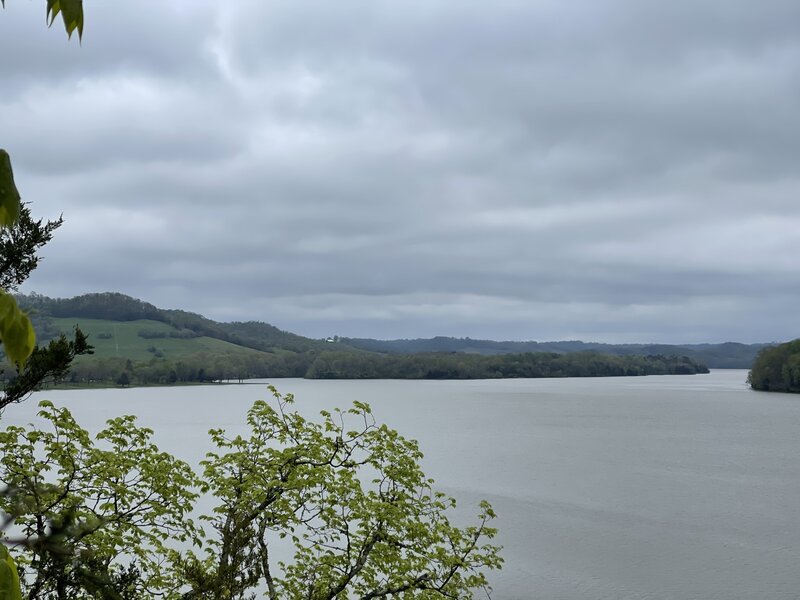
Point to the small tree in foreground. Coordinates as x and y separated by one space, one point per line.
344 497
77 507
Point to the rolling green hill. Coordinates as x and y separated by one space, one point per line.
155 346
144 339
137 343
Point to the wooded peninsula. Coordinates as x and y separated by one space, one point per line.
777 369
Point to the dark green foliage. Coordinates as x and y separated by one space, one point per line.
184 334
777 369
44 326
18 247
151 335
336 365
263 336
204 367
181 319
51 363
190 368
273 353
730 355
113 306
251 334
108 305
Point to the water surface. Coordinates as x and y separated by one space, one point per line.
660 487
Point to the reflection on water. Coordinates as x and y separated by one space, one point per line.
657 487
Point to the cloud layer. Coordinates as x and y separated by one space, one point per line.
605 170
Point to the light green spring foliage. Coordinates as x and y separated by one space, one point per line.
364 520
346 494
9 196
16 330
71 13
9 579
349 495
79 503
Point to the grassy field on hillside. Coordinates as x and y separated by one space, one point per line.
122 339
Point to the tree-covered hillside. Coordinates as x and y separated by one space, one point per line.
339 365
137 343
114 306
777 369
728 355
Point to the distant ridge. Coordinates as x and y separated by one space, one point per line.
727 355
138 343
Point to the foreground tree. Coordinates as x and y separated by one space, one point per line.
76 507
93 520
344 497
362 517
20 239
16 331
19 245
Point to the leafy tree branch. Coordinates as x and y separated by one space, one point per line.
343 496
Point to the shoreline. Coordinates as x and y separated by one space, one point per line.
260 381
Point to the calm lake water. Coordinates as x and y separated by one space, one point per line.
667 487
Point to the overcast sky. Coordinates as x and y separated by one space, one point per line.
605 170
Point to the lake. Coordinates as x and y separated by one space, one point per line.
660 487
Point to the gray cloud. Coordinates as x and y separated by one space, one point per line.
610 170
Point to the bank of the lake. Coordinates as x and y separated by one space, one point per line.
662 487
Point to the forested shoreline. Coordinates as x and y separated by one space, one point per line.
725 355
339 365
777 369
136 343
332 365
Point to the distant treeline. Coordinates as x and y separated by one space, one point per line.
273 353
334 365
777 369
342 365
728 355
195 368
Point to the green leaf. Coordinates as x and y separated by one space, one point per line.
16 331
71 12
9 578
9 196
